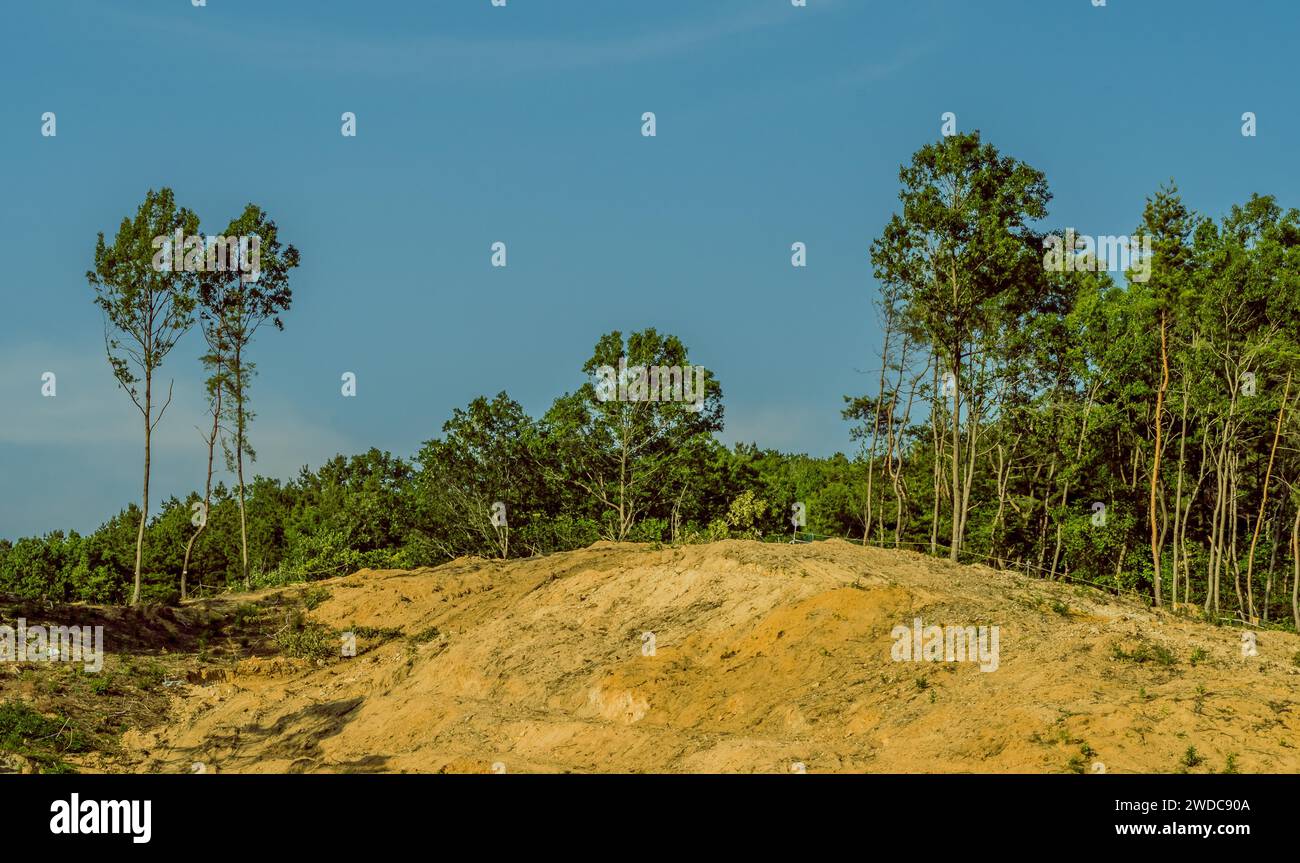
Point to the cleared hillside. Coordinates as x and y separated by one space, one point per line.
765 657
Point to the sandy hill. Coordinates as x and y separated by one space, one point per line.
766 657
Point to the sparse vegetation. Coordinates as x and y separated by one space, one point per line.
1145 652
40 739
314 597
304 639
1201 694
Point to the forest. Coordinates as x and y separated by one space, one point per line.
1136 434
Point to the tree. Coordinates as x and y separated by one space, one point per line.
213 302
249 300
481 479
618 437
1170 226
146 309
960 254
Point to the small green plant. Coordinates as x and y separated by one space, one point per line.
1060 608
1145 652
425 635
1199 655
1192 758
304 640
1230 766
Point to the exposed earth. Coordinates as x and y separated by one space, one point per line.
763 658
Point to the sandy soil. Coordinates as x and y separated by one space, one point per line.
767 658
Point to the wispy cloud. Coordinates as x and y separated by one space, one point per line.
303 48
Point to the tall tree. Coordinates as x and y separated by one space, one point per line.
147 305
254 294
1169 224
213 302
961 253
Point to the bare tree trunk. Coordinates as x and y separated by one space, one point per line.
1234 463
974 415
1155 466
955 547
239 462
144 505
937 472
1263 499
1178 495
1295 569
207 486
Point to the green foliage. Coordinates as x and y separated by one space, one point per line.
1145 652
40 738
304 639
1191 758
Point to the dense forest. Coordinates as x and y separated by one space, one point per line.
1138 434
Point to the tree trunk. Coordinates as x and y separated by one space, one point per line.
1178 496
937 467
1263 499
1155 465
207 486
1295 569
144 505
955 548
239 463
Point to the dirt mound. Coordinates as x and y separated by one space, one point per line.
735 657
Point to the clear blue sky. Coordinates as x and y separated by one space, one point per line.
522 124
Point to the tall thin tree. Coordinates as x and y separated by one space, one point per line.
254 294
147 305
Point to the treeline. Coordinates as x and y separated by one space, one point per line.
379 510
1142 436
1028 410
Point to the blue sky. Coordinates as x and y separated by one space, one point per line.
522 124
